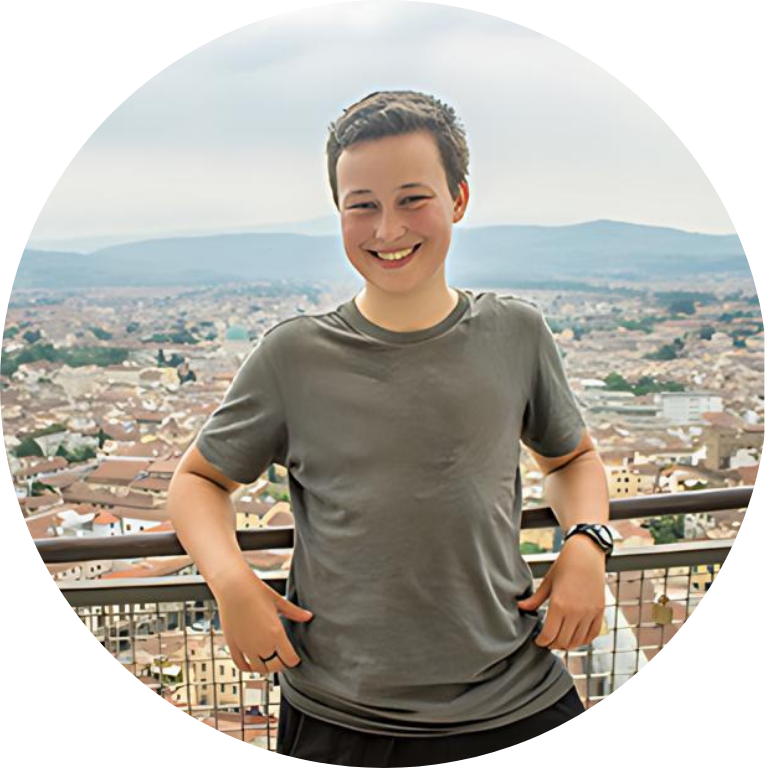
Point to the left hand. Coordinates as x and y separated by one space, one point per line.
575 586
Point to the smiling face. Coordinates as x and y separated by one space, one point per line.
394 198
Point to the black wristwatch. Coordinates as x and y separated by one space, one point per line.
600 534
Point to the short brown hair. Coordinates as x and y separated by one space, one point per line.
391 113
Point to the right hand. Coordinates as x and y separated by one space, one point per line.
249 610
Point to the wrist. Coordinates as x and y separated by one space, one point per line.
598 533
231 576
586 544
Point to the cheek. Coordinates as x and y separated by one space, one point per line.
430 221
352 235
354 232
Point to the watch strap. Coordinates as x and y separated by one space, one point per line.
599 533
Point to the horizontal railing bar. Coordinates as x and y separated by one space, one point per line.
161 589
657 505
141 545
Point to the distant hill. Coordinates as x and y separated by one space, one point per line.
483 256
324 225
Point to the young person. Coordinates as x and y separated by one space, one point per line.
409 634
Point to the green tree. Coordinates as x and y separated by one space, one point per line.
615 382
103 437
668 529
665 352
101 334
38 488
682 307
28 447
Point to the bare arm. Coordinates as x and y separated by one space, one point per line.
203 516
577 491
575 485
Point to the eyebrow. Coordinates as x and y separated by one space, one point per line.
408 185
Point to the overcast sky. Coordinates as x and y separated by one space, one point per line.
232 136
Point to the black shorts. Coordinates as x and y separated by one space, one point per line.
305 737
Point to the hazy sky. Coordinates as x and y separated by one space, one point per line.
233 135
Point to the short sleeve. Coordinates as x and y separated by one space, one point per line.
247 431
552 422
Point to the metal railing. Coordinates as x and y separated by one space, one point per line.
166 629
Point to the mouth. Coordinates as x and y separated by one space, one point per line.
394 256
396 261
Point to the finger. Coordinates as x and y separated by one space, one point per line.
262 663
256 666
240 661
595 627
266 659
542 593
557 644
580 633
551 629
568 630
288 655
272 662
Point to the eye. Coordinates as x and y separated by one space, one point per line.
359 205
411 197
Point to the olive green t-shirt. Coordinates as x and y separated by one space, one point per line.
402 451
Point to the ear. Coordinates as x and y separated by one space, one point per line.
460 203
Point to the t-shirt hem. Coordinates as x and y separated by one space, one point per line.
312 708
218 461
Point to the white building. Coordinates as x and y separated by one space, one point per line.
687 407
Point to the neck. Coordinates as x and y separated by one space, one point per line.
412 311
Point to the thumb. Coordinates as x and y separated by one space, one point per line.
292 611
538 597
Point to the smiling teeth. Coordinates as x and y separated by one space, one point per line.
395 255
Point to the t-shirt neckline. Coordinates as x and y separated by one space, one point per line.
357 320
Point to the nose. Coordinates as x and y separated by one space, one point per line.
389 228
